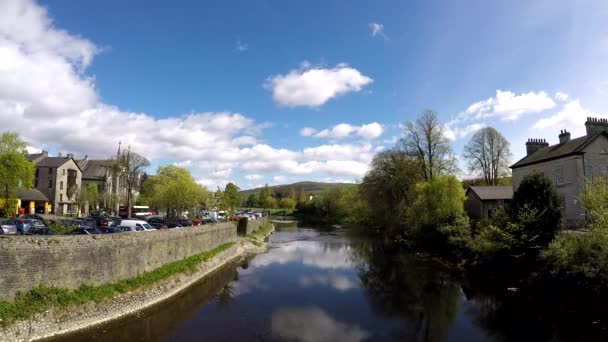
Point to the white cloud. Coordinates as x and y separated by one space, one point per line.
307 131
214 146
571 117
313 87
561 96
286 324
253 177
279 179
455 132
377 29
509 106
240 46
344 130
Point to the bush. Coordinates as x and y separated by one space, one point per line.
498 240
241 227
536 193
580 259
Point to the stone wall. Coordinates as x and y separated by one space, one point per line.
70 261
254 225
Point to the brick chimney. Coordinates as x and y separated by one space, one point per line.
564 136
534 145
59 154
70 155
595 125
45 154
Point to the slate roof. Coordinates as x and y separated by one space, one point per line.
31 195
33 156
492 192
54 162
93 169
571 147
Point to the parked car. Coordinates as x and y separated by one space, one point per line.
24 225
109 230
159 226
101 221
155 219
85 231
39 231
33 217
8 226
184 222
138 225
173 224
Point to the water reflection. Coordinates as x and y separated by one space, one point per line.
312 324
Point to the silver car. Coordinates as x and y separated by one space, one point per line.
8 226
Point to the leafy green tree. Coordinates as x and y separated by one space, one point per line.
536 192
252 201
231 197
269 203
287 203
174 190
15 170
92 194
437 201
389 188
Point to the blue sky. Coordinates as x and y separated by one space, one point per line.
225 88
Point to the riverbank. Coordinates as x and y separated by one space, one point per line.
63 320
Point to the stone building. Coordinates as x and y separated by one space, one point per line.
57 178
481 200
568 164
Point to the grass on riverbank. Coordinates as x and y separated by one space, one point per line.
43 298
262 231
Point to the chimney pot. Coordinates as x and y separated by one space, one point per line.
58 154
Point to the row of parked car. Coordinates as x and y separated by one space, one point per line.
35 225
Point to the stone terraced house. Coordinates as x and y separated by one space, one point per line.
568 164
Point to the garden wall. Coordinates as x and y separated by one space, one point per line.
70 261
253 225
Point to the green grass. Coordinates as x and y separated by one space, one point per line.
263 230
43 298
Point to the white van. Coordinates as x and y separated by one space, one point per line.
135 226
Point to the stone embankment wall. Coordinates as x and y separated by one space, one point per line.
70 261
253 225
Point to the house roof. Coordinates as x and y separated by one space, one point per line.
33 156
54 162
31 195
571 147
492 192
93 169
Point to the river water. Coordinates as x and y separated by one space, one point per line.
315 285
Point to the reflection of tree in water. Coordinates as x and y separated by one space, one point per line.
408 287
225 297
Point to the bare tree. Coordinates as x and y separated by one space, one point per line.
425 139
488 154
131 166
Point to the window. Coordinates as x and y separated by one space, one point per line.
50 184
37 172
589 172
36 183
558 176
61 185
50 170
60 197
63 172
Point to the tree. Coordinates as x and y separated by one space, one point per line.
536 193
389 187
438 201
15 170
92 194
266 200
130 167
230 197
287 203
174 190
425 139
252 201
489 155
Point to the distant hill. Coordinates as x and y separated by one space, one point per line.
310 187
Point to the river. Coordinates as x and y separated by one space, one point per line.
317 285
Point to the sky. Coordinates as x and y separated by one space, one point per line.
273 92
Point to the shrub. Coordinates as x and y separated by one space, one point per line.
241 227
536 193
